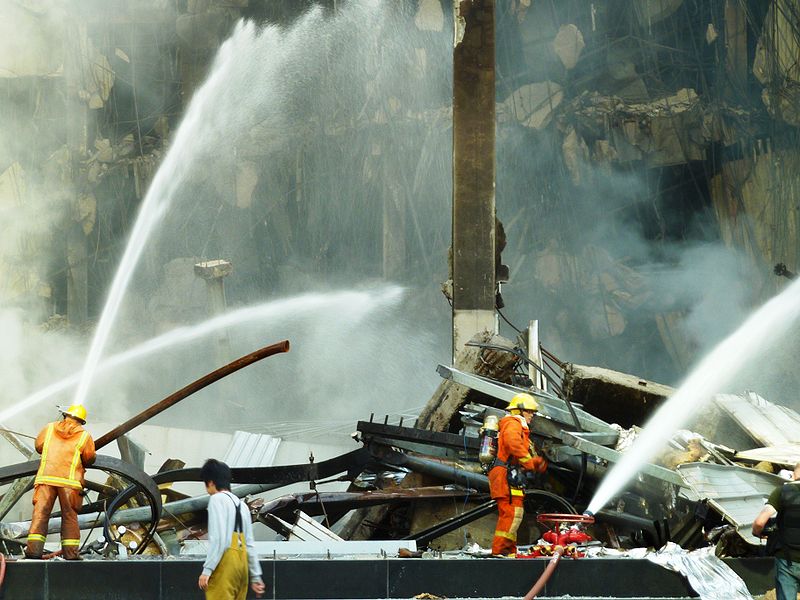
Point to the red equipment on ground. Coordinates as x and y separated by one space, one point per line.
567 532
561 540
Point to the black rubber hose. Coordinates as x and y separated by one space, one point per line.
551 496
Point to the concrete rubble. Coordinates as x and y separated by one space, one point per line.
404 483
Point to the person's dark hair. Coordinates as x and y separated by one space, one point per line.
218 472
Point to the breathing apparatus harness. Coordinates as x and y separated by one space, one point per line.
513 473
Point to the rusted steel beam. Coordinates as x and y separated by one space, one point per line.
190 389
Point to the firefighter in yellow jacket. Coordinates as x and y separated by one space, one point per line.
66 450
513 454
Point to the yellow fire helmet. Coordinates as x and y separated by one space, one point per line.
76 411
523 402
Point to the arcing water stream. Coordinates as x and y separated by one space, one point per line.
246 87
156 203
717 369
359 304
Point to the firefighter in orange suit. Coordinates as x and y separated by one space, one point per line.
66 450
514 454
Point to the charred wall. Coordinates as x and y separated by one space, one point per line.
629 135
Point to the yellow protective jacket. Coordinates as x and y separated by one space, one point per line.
66 450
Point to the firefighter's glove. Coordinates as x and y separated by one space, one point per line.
539 464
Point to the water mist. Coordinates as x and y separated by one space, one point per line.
249 86
763 328
359 304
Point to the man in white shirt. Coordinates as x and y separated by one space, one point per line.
231 552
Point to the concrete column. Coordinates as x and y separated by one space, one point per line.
394 231
76 128
77 276
473 264
736 60
214 272
535 355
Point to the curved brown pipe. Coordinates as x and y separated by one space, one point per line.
190 389
551 566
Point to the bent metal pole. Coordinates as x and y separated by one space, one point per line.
190 389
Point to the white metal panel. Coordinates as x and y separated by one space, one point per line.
787 455
251 450
767 423
737 493
316 548
307 529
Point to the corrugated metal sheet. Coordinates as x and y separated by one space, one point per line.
307 529
251 450
737 493
765 422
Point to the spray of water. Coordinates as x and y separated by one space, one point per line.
244 83
156 202
359 303
719 367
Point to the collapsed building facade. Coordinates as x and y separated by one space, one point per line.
689 104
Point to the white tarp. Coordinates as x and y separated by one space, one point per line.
707 574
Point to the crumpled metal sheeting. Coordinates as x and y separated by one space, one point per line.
707 574
735 492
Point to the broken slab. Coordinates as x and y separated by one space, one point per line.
665 131
568 45
532 105
449 397
613 396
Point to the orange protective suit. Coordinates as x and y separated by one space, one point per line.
513 449
66 450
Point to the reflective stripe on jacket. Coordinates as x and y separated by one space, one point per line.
513 449
66 450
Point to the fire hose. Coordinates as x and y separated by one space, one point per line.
542 581
559 549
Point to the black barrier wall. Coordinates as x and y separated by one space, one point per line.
156 579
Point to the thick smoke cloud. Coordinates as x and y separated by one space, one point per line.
584 263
